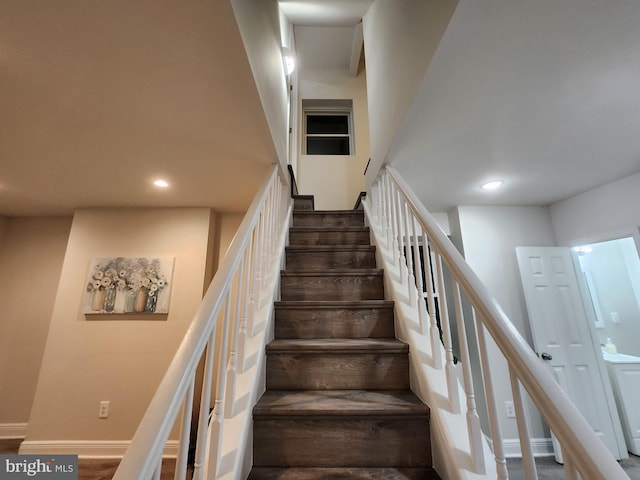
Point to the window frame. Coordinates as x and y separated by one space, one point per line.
333 108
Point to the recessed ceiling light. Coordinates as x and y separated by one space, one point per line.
492 185
161 183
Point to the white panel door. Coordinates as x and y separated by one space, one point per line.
562 337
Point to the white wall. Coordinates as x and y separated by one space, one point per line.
120 360
489 236
259 24
604 213
335 180
400 38
31 259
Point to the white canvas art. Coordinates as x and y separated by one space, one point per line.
128 285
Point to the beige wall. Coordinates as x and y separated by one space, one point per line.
336 180
400 38
120 360
31 257
228 226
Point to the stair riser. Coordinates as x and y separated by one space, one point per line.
334 371
340 442
331 237
332 287
334 323
301 202
324 260
315 219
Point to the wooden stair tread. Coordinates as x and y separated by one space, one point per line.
328 228
318 473
334 345
330 248
322 304
336 212
333 272
340 403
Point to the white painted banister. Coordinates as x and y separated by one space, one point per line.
221 330
390 206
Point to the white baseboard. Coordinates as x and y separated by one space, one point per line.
541 447
13 430
87 448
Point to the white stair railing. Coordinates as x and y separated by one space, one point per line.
231 314
400 226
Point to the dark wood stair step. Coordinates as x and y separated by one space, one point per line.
326 218
329 236
334 284
337 429
338 345
340 403
318 257
331 364
303 202
279 473
318 319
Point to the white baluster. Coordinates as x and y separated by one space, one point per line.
158 471
205 403
233 354
254 276
570 471
492 405
267 240
528 462
407 218
259 263
434 332
450 368
384 207
217 416
246 296
416 232
473 420
185 434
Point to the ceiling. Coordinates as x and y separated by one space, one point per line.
544 95
324 30
100 98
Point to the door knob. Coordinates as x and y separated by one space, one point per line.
547 356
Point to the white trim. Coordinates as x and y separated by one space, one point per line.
88 448
540 447
13 430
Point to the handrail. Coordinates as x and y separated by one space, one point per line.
251 250
294 184
406 218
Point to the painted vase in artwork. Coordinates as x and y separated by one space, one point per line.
141 300
110 299
129 301
152 302
97 303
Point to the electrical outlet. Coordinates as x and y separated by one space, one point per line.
103 411
511 411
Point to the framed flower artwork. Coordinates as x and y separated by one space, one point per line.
128 285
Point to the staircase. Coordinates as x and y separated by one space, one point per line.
338 404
